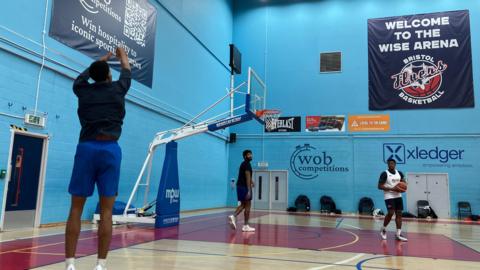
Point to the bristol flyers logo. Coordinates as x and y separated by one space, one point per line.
419 81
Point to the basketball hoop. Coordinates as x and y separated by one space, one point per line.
267 114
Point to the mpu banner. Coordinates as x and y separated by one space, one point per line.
420 61
95 27
168 197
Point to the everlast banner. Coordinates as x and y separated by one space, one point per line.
283 124
420 61
95 27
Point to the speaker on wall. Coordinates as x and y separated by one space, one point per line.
232 138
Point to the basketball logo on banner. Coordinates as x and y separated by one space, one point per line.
420 79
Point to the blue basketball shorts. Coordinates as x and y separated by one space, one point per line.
96 162
242 193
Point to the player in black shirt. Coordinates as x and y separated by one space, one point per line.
244 192
101 109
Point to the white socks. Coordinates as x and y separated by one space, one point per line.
399 231
102 262
69 261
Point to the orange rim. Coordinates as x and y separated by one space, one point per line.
262 113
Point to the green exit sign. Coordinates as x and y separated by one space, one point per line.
32 119
35 120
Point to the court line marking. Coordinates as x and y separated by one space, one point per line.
25 250
236 256
119 226
355 227
320 216
462 244
464 239
193 221
405 220
356 238
93 237
339 262
37 236
50 254
360 263
338 223
221 216
19 250
62 242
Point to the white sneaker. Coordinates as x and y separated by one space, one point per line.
401 238
247 228
231 221
383 234
70 267
99 267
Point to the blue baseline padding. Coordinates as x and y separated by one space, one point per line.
168 197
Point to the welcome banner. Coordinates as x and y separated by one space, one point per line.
420 61
95 27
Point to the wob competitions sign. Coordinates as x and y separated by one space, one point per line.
420 61
307 162
95 27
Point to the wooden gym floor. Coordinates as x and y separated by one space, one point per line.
283 240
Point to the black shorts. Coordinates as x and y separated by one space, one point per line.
394 204
242 193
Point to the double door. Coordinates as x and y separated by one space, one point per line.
432 187
271 190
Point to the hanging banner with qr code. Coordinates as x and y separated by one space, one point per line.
421 61
95 27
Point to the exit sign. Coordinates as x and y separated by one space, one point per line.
262 164
34 120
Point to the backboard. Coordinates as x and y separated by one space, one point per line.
256 95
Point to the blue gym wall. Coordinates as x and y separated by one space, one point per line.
282 41
190 73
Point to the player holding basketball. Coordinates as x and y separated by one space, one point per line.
393 198
101 109
244 192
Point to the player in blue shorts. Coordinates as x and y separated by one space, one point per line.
101 109
244 192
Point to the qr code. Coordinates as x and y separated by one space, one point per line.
135 26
